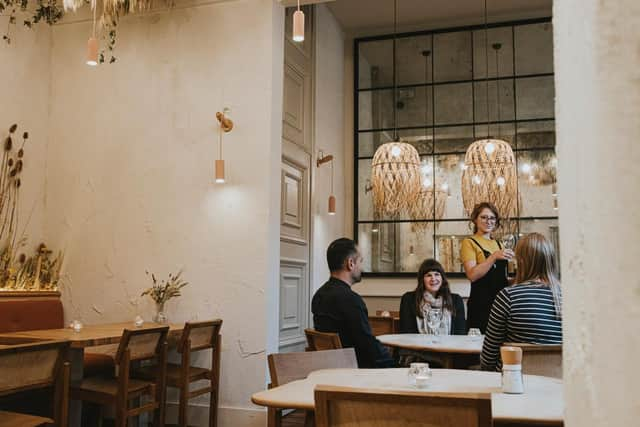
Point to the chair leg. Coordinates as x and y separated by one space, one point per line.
274 417
182 410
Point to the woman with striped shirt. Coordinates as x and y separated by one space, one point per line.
531 311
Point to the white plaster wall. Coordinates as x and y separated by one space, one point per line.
329 128
24 100
597 109
130 167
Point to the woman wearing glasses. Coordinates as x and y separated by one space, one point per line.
485 264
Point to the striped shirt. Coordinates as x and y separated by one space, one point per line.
523 313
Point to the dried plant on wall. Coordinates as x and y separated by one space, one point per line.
18 271
30 12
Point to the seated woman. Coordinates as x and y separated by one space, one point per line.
432 292
531 310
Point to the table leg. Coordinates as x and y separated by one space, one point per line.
447 361
76 357
309 418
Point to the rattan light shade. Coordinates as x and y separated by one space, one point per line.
490 175
430 204
395 178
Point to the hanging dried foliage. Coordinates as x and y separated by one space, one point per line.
395 178
490 176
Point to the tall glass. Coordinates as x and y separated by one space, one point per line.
434 320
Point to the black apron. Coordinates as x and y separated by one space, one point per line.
484 291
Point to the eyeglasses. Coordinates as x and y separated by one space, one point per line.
486 218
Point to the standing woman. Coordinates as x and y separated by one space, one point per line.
485 264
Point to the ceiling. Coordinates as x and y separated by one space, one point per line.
362 15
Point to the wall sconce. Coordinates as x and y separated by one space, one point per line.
226 124
298 25
322 159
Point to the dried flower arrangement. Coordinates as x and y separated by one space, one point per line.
19 272
163 291
44 11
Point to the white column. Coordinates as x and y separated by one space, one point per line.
597 64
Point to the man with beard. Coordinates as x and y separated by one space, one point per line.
336 308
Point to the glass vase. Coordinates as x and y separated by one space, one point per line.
160 316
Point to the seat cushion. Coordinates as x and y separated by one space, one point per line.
14 419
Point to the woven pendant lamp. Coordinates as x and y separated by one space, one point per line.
395 178
490 175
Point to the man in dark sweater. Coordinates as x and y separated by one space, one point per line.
336 308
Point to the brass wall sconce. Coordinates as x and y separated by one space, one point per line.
225 126
322 159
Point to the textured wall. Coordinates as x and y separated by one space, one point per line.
130 166
597 51
24 100
329 125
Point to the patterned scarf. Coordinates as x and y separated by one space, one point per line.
429 302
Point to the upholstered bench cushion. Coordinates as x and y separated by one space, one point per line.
25 315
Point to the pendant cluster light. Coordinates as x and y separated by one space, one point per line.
298 25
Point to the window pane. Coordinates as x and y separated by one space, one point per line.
547 227
415 106
421 139
453 139
448 176
534 98
536 179
375 63
393 247
537 134
449 235
413 65
453 103
500 35
534 48
375 109
452 56
505 88
504 131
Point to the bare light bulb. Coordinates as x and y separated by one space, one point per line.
463 166
526 167
476 179
489 148
426 183
444 187
395 151
500 181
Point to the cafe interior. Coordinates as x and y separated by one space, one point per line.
174 174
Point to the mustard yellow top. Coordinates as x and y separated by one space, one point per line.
469 251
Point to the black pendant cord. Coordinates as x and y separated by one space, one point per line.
486 61
395 77
496 47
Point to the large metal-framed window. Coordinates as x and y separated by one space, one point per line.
441 104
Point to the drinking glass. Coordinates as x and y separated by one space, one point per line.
475 334
419 375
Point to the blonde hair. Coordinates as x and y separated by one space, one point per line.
536 259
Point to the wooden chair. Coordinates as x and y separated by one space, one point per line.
135 346
541 359
196 336
382 325
287 367
317 341
346 406
27 366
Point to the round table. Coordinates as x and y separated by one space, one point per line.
541 402
448 347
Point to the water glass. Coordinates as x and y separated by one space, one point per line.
434 321
76 325
475 334
419 375
138 321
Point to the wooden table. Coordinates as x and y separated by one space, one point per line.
448 347
88 336
541 403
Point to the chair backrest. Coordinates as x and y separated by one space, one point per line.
31 365
346 406
541 359
317 341
381 325
392 313
141 344
287 367
200 335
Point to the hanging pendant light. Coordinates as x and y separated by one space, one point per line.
298 25
92 43
489 173
395 169
225 126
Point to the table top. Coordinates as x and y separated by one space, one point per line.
542 400
463 344
91 335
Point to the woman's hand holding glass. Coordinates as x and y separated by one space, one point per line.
500 254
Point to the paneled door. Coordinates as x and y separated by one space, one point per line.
295 185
